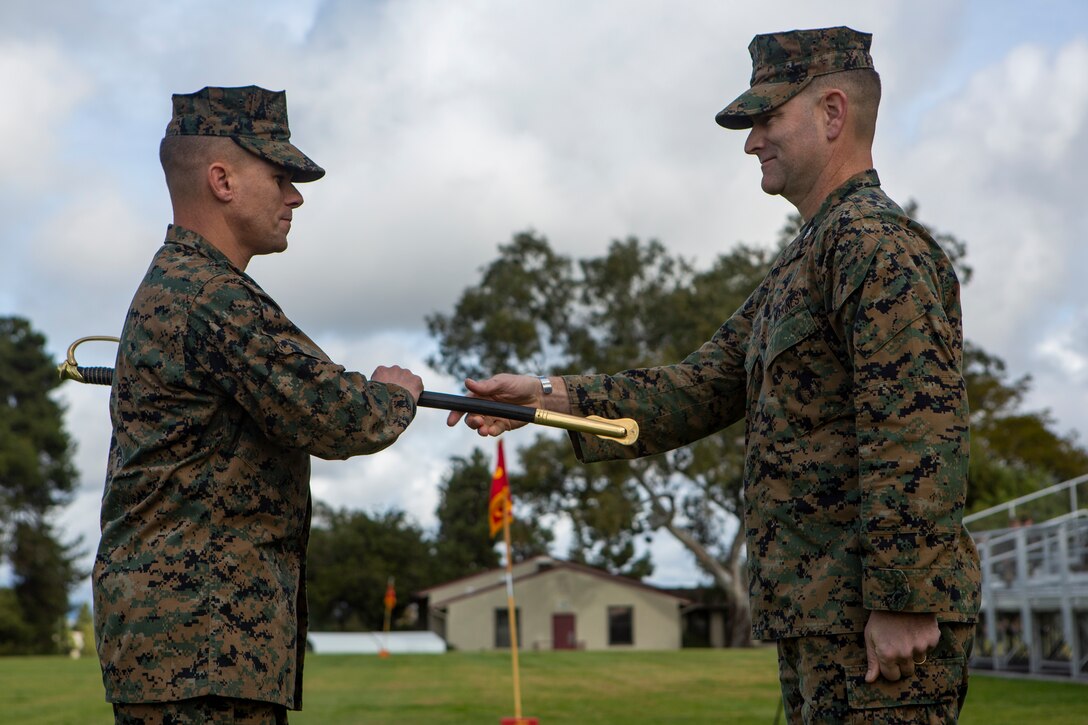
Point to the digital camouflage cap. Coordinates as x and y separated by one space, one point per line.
254 117
783 64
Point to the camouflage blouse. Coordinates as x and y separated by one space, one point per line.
846 365
218 402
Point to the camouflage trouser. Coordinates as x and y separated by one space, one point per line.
200 711
823 681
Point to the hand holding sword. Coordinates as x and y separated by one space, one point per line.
496 405
525 390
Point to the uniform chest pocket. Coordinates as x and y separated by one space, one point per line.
789 331
801 372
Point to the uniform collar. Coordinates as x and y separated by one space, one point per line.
852 185
177 234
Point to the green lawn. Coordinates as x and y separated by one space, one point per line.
687 686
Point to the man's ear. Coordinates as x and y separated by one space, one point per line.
221 181
833 108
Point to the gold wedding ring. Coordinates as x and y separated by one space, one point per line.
921 661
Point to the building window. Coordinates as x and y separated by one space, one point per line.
621 625
502 627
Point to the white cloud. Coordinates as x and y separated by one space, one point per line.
100 240
447 127
1065 351
41 90
996 164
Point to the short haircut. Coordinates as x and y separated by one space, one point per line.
185 159
862 87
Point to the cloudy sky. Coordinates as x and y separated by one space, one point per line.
447 126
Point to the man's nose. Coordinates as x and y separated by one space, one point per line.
754 142
294 198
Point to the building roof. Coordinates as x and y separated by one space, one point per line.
537 566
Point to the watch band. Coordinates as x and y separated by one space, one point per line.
545 383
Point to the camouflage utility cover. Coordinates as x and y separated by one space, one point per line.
254 117
218 402
846 362
784 64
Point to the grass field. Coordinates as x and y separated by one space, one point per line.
686 686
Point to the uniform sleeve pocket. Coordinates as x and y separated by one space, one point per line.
934 681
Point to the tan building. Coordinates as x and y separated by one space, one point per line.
559 605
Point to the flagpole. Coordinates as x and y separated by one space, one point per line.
512 610
390 601
500 505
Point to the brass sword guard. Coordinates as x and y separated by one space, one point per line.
69 369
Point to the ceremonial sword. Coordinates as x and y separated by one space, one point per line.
620 430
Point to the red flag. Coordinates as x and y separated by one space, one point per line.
390 597
499 501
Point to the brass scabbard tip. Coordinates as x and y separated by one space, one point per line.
629 425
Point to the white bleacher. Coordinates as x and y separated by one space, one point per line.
1034 553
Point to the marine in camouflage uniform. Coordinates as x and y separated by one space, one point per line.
218 402
846 365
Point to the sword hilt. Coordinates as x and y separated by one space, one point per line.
70 370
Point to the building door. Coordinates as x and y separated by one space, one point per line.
563 632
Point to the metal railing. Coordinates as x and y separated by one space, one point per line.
1034 583
1037 506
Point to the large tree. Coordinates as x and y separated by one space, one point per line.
463 542
36 470
45 573
36 477
634 306
1013 452
536 310
350 558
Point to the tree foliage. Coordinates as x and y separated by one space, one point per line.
84 624
1013 452
637 305
634 306
463 542
36 470
352 554
16 635
350 559
45 573
36 477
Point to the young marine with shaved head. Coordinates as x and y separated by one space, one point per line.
218 402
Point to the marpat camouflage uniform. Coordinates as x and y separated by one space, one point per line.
218 403
823 681
846 364
208 710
